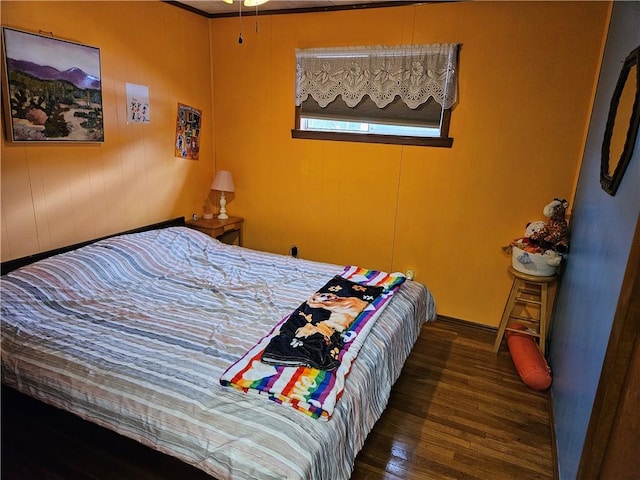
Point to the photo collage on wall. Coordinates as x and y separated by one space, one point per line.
188 132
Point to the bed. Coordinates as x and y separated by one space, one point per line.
134 333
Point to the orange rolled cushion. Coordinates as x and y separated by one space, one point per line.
528 359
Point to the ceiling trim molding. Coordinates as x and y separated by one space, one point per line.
328 8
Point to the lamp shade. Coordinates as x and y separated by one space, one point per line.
223 182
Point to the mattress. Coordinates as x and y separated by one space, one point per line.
134 332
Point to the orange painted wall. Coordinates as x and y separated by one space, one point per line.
527 74
54 195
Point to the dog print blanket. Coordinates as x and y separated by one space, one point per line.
270 368
315 333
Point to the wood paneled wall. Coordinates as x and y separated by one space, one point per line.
54 195
527 74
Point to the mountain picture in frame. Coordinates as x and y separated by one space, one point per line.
52 89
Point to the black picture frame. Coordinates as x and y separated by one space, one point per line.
622 125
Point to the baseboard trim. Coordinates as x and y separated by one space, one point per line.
466 323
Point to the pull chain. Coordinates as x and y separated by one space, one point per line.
240 40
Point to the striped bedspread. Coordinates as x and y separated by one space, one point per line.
313 391
134 332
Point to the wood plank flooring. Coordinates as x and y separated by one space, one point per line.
458 411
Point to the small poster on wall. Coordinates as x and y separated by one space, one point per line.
188 132
138 103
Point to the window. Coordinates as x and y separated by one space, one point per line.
398 95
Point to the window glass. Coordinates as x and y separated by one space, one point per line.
366 117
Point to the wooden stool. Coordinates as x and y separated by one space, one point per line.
527 290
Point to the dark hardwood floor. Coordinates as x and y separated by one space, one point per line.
458 411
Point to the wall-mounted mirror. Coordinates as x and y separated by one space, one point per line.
622 125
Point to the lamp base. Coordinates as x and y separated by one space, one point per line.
222 214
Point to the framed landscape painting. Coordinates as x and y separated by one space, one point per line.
51 89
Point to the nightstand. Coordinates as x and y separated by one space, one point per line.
224 230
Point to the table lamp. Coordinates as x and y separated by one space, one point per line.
223 182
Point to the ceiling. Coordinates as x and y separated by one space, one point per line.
218 8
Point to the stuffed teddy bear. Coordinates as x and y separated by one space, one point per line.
554 235
525 243
533 228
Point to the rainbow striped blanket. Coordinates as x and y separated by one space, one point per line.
310 390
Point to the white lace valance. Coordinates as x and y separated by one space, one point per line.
415 73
